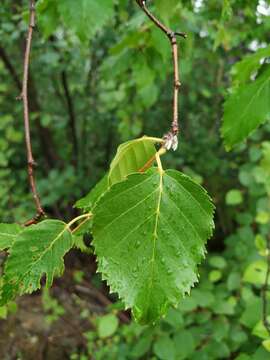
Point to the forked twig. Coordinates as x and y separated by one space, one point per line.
24 98
171 140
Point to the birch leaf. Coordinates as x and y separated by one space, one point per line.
37 251
131 157
8 233
246 108
149 236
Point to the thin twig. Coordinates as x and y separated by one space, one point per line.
171 137
265 290
92 291
24 97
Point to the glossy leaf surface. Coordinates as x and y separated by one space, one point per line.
8 233
149 235
37 251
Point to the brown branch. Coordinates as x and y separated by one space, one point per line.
171 137
92 291
24 97
265 289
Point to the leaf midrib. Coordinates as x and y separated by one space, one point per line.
155 235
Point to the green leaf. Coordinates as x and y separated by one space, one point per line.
86 17
252 313
8 233
217 262
234 197
260 330
38 250
260 354
184 344
80 244
261 244
246 108
217 350
149 235
215 275
244 69
266 344
262 217
3 312
131 157
225 307
107 325
142 346
174 318
88 202
48 16
164 348
233 281
255 273
243 357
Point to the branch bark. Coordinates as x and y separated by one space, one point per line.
170 138
24 97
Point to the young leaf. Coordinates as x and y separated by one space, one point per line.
38 250
149 235
131 157
8 233
246 108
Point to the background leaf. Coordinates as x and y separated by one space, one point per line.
107 325
246 108
243 70
234 197
85 17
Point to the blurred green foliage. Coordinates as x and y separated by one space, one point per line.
100 74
